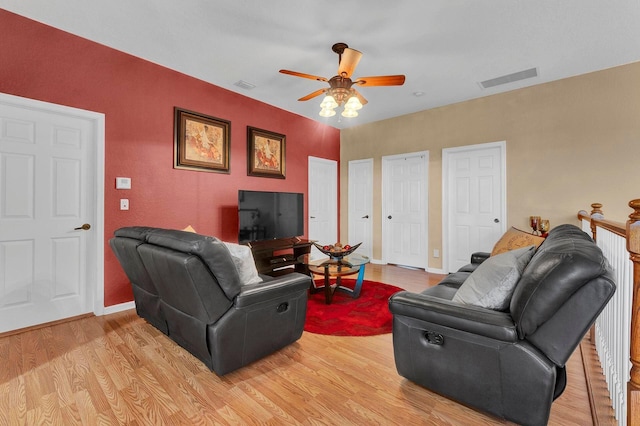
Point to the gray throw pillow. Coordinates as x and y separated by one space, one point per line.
491 285
245 264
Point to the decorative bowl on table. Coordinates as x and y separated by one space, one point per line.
337 250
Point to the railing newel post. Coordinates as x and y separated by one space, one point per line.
596 213
596 209
633 246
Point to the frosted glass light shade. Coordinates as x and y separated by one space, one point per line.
353 103
349 113
326 112
328 102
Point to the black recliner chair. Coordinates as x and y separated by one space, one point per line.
187 285
145 293
510 364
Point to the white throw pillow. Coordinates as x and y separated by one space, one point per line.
491 285
245 264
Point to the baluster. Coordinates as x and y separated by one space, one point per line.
633 246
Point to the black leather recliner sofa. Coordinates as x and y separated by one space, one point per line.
187 286
510 364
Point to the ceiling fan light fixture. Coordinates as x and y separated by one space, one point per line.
340 90
327 112
328 103
349 113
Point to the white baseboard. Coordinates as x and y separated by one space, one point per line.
429 270
119 308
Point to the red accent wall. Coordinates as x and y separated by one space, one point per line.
138 100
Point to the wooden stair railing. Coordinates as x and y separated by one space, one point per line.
631 232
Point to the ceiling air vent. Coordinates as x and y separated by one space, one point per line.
509 78
244 85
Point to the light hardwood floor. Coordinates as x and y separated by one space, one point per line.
117 369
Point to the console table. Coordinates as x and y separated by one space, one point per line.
280 256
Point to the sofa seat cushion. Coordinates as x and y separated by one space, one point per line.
454 279
492 283
441 292
514 239
469 267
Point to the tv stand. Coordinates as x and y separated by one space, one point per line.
280 256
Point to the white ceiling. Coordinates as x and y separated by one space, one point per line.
444 47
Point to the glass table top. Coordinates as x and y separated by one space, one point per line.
352 260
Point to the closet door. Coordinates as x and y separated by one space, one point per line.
474 200
361 205
323 202
405 209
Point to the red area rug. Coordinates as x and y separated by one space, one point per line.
367 315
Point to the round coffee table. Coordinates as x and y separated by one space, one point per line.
330 267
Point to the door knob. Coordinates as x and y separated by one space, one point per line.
389 217
496 220
365 217
312 217
84 227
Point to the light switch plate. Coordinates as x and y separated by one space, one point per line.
123 183
124 204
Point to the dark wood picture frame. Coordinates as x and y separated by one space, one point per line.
201 142
266 153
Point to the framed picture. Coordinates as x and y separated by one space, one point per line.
201 142
265 154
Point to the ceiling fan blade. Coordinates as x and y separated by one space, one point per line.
313 95
361 98
382 80
348 62
303 75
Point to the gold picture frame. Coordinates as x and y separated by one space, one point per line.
265 153
201 142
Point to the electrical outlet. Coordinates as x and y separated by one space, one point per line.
436 253
124 204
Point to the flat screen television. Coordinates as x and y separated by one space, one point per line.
266 215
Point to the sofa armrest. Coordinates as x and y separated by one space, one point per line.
272 289
476 259
472 319
479 256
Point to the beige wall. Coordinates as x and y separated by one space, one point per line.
569 143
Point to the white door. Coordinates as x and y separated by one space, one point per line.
361 205
404 209
323 202
48 269
474 200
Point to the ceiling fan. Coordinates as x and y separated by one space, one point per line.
341 88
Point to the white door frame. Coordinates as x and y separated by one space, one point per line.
95 258
425 197
446 152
